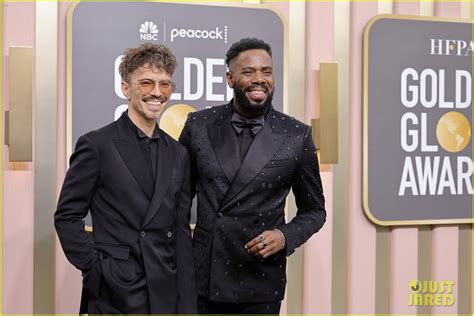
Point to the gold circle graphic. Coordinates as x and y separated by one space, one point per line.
453 132
173 118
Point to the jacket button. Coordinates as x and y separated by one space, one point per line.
142 233
169 234
220 215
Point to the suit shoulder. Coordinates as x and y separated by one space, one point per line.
209 114
287 122
100 134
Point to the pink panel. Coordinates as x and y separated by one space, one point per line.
448 9
318 261
403 268
68 279
445 238
445 262
318 250
18 214
406 7
319 48
362 233
18 242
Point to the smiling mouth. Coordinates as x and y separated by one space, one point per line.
155 101
257 95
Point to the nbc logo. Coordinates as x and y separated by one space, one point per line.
148 31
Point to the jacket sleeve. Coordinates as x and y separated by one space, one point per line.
308 191
186 139
187 301
76 195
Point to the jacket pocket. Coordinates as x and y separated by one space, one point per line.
278 163
115 251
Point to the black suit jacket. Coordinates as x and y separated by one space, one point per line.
237 201
140 249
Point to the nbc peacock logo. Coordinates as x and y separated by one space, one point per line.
148 31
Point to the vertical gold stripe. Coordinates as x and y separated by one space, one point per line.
385 6
383 236
424 260
296 75
329 109
427 7
45 156
20 133
1 158
382 270
341 170
465 270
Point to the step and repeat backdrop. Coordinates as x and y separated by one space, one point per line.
198 35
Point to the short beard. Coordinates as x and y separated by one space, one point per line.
244 102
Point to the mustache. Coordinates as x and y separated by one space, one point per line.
160 98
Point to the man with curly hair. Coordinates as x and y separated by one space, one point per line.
135 181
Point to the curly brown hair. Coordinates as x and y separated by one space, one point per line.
155 55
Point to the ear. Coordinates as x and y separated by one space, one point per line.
125 90
230 79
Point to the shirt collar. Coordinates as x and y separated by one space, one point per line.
139 133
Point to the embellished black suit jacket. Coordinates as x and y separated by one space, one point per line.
237 201
141 247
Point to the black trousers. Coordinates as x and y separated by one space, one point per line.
205 306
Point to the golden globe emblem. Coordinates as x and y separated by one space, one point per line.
453 132
173 118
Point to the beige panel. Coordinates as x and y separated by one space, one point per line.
382 270
465 262
7 124
341 170
45 156
385 6
328 100
466 9
296 75
21 99
427 8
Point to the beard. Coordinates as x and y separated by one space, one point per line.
256 108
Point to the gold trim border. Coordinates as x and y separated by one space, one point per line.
365 203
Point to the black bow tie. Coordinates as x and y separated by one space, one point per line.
239 123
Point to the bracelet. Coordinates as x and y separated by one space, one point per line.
283 237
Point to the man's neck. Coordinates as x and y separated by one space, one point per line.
146 126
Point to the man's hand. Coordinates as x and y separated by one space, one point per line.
266 244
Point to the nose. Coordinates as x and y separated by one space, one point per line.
156 90
259 78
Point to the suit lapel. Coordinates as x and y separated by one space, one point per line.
164 170
263 147
224 143
130 152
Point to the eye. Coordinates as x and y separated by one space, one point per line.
247 72
165 84
268 72
146 83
